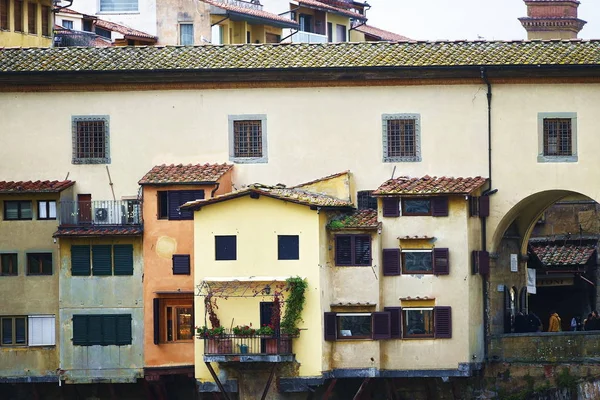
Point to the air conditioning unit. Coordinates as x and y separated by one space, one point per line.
101 214
108 213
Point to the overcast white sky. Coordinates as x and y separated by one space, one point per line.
466 19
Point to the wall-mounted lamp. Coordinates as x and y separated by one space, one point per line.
267 290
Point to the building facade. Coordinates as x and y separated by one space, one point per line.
26 23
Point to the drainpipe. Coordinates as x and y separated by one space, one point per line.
212 193
488 192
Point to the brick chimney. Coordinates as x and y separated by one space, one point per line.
552 19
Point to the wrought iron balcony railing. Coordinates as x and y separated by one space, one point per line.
247 345
100 212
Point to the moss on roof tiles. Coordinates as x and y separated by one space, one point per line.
360 219
301 55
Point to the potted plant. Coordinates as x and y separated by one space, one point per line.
212 336
243 330
266 330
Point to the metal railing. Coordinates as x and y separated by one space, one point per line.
247 345
100 212
308 37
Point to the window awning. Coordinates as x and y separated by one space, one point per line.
241 286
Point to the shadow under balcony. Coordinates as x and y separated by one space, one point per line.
248 349
100 218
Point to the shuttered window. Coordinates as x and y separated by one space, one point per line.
80 260
4 14
439 206
418 322
441 261
416 207
443 322
18 15
181 264
288 247
123 258
353 250
170 201
330 326
32 18
45 21
417 262
156 319
480 262
391 262
102 330
479 206
102 260
378 325
381 325
395 321
391 207
225 248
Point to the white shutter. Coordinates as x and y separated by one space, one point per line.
42 329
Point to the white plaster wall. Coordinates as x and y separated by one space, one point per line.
144 19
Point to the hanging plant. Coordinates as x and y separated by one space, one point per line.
294 305
210 305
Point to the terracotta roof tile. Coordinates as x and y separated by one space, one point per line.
185 174
568 254
428 185
34 187
301 56
292 195
125 30
253 12
320 179
94 231
328 7
360 219
381 34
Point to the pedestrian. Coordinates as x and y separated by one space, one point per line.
521 323
574 324
534 323
554 322
587 323
594 325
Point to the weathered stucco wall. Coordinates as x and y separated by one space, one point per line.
171 13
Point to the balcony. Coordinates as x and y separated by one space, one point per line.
251 348
308 37
100 213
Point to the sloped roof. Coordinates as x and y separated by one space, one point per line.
34 186
185 174
298 56
567 254
125 30
320 179
277 20
327 7
276 192
381 34
95 231
428 185
360 219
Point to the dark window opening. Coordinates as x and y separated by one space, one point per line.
8 265
91 139
87 25
4 14
288 247
39 263
32 18
557 137
418 322
46 21
103 330
225 248
306 23
17 210
353 250
18 15
181 264
417 262
416 207
354 326
170 201
247 138
105 33
67 24
366 201
14 331
401 138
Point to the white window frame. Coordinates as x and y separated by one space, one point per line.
181 24
41 330
117 11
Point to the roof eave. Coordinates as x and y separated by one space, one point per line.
256 20
177 183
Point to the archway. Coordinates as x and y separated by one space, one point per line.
556 249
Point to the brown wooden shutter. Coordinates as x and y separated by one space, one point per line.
442 320
381 325
391 206
481 262
156 317
441 261
391 262
395 321
439 206
330 326
484 206
343 250
473 206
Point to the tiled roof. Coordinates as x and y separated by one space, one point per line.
320 179
277 192
302 56
185 174
568 254
330 8
429 185
94 231
253 12
381 34
34 187
125 30
360 219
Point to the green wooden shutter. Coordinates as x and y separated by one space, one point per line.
80 330
109 330
80 260
123 259
102 260
94 330
123 329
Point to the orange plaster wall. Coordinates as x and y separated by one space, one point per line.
162 239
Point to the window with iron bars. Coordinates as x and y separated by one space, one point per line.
557 137
247 137
401 137
91 140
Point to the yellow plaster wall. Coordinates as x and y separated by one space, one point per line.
335 20
256 229
11 38
338 186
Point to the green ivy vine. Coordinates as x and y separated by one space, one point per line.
294 304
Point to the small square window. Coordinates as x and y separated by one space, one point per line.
248 138
353 250
39 263
47 209
14 331
225 248
354 326
417 262
17 210
557 140
181 264
67 24
8 265
416 207
288 247
418 322
91 140
366 201
401 137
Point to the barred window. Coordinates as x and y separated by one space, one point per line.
401 141
32 17
247 137
366 201
557 137
90 140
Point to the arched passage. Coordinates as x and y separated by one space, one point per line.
515 244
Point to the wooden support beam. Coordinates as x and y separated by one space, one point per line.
329 390
148 390
391 390
36 395
362 388
264 395
217 381
111 388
